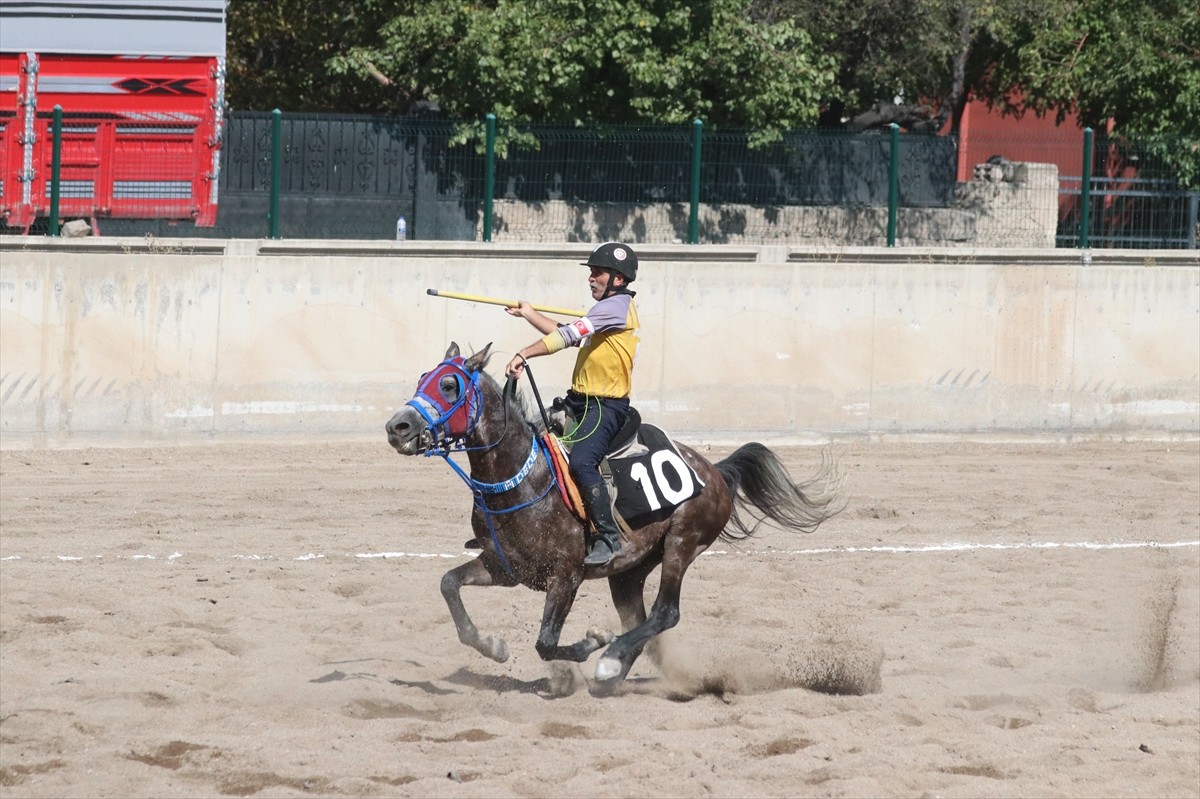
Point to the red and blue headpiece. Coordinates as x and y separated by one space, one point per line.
450 420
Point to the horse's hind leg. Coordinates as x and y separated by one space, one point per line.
473 573
664 614
628 589
560 597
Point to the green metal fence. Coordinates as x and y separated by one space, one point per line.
326 176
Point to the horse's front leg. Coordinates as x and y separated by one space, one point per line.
474 573
560 596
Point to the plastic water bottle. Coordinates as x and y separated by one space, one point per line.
401 229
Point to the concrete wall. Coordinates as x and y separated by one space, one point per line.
107 341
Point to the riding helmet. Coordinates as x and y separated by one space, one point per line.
616 257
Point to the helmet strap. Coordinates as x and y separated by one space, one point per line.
611 289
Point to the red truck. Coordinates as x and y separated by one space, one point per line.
141 85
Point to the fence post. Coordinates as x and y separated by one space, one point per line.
1193 217
489 179
55 171
893 184
1085 193
694 210
276 168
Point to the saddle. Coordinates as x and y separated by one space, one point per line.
635 468
647 477
561 420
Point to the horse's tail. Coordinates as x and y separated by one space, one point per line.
757 478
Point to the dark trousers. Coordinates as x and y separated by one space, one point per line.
599 421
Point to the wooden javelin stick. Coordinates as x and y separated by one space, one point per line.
453 295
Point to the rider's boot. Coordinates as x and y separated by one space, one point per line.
608 537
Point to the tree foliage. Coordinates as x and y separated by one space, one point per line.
592 62
276 52
1129 61
768 65
1134 62
931 55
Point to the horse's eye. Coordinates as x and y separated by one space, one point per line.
448 385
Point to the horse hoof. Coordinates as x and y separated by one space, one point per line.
496 649
608 669
602 637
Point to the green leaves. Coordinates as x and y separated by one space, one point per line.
767 65
609 61
277 50
1133 62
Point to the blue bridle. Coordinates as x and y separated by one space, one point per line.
443 417
440 414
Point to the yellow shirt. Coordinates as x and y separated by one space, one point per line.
607 340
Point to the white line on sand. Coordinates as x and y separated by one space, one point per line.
887 550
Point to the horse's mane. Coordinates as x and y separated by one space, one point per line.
516 401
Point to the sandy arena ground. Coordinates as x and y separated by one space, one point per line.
264 620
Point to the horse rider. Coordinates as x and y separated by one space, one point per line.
600 384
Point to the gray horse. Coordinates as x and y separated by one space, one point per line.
528 536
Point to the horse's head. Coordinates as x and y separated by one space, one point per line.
445 408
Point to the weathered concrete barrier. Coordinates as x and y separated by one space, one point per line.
110 341
1019 206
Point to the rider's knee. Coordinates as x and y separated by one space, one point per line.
583 463
585 478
